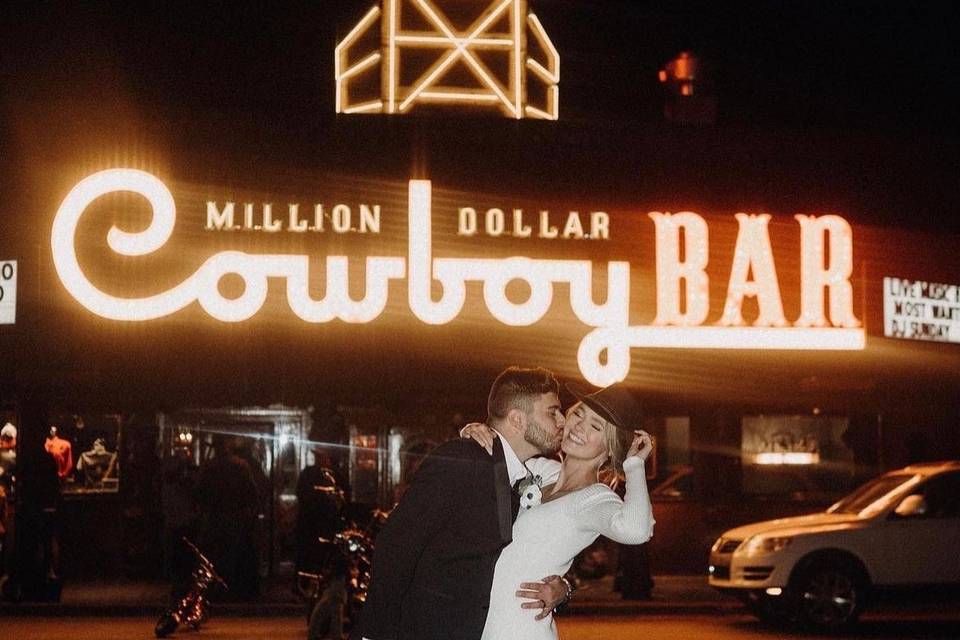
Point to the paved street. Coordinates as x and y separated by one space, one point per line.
720 627
724 627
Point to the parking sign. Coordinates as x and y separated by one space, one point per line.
8 292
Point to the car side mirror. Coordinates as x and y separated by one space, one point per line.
911 506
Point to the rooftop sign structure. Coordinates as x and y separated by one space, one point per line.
423 55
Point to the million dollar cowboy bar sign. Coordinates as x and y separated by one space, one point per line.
436 284
369 66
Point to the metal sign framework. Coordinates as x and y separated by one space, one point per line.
457 49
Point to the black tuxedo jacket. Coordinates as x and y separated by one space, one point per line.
434 559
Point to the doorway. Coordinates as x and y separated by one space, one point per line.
272 443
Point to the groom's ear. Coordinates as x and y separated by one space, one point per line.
517 420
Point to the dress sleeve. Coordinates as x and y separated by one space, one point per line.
627 521
547 468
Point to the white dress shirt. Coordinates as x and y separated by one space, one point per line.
516 470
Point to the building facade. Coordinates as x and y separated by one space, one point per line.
360 279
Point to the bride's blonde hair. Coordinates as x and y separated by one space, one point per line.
618 442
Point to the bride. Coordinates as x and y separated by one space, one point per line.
575 508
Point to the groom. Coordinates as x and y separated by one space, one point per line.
434 560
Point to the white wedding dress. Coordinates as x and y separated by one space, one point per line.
546 538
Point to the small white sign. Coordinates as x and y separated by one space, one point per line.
8 292
918 310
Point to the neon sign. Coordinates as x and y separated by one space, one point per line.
458 48
604 353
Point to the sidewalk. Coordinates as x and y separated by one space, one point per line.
671 594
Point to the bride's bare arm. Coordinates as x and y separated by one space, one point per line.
481 433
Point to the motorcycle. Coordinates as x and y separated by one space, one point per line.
336 593
192 609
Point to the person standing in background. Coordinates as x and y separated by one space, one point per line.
36 565
318 510
179 511
227 496
262 504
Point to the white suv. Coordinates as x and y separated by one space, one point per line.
901 529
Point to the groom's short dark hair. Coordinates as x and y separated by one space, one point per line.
518 388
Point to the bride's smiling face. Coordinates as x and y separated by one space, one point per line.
583 434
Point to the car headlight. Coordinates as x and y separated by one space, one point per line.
763 544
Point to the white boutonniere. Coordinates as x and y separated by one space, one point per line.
529 490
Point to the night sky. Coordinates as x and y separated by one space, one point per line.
91 84
886 66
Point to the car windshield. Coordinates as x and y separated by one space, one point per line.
870 493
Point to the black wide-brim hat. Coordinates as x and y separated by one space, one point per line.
616 404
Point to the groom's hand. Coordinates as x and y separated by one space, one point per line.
546 595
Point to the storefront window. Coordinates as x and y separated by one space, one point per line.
364 467
85 448
670 467
369 430
271 443
799 456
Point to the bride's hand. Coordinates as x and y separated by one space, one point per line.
641 446
481 433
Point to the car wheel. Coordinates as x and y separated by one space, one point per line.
829 597
770 610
